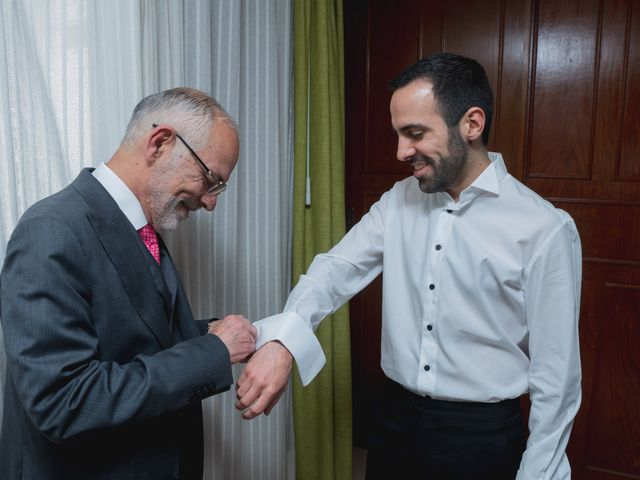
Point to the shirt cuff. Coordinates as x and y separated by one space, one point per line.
292 331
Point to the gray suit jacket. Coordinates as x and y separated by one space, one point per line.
106 366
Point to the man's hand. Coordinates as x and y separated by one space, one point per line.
238 334
263 380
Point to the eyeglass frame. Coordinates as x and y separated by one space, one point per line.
217 184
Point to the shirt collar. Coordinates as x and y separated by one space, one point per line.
126 200
488 180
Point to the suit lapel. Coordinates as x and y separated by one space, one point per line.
144 285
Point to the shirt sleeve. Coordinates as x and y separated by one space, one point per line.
332 279
552 307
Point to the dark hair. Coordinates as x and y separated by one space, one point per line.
459 83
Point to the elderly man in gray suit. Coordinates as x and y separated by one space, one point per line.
106 366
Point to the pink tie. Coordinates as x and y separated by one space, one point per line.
150 239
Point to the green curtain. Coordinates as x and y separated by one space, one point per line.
322 410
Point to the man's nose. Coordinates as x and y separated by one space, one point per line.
406 150
208 201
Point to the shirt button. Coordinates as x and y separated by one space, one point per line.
438 247
449 210
432 286
427 368
429 327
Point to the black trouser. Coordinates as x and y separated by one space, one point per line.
418 437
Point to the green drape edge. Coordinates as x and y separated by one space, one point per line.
322 410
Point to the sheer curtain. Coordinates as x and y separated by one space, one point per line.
71 72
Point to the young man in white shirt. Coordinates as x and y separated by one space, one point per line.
481 299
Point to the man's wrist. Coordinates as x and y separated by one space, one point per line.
210 323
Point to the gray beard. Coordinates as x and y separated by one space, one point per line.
168 217
164 205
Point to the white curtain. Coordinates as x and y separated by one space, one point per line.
71 72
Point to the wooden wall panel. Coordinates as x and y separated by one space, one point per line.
611 80
601 229
618 359
482 21
606 436
510 115
394 36
629 166
356 119
563 109
432 25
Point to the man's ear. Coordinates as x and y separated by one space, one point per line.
159 141
472 124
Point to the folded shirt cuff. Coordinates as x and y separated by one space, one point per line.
292 331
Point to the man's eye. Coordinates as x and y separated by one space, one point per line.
415 135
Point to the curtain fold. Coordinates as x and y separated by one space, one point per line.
28 128
71 72
322 410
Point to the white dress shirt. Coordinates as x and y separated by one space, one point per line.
124 197
480 301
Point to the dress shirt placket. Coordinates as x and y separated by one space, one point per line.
438 239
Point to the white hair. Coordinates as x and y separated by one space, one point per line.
190 112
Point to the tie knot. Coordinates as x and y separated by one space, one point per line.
150 239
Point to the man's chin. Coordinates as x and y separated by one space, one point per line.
168 223
427 185
179 214
167 227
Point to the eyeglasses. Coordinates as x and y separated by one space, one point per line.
215 185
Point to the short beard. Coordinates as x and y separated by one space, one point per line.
447 172
165 206
168 217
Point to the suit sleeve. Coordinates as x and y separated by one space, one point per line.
53 349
